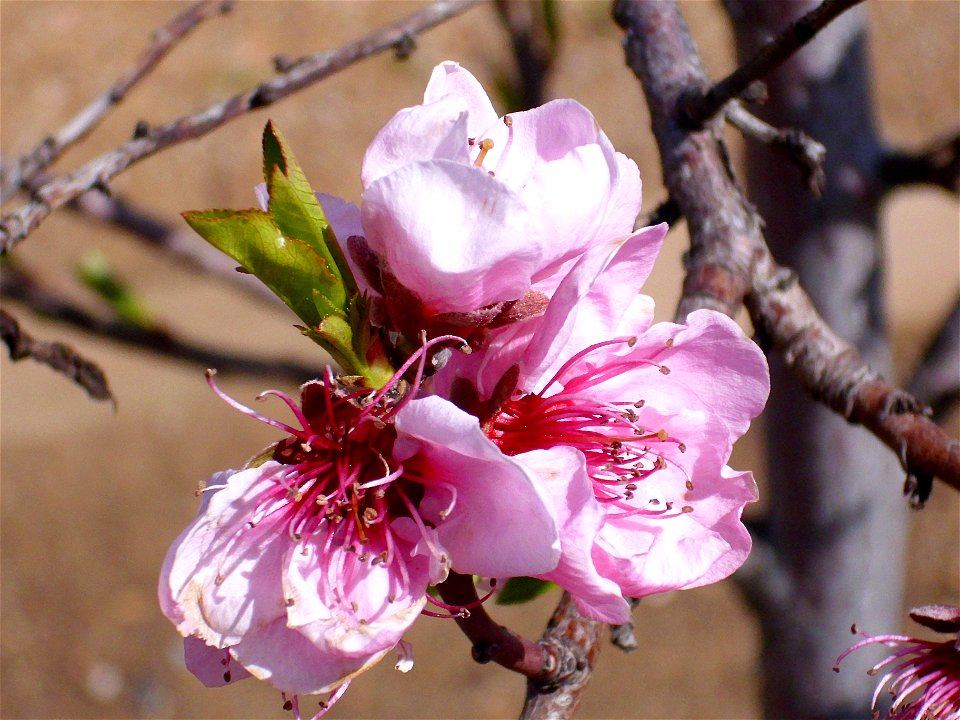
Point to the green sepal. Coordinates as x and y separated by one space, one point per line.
522 589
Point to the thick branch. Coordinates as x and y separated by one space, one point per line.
62 358
52 147
938 164
576 640
729 258
833 372
697 108
17 285
147 141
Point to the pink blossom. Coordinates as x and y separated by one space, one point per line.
924 675
468 218
307 568
653 410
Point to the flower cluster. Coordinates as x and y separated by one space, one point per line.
923 678
573 439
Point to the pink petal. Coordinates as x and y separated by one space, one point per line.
449 79
448 232
591 302
322 585
563 472
646 556
717 381
490 511
221 578
433 131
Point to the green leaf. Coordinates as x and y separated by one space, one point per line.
522 589
297 211
287 265
273 151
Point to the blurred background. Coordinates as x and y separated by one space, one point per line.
92 496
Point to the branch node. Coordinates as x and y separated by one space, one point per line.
260 98
283 63
404 47
141 130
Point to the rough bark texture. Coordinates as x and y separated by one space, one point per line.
837 522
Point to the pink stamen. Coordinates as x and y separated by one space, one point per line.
630 341
248 411
331 701
508 121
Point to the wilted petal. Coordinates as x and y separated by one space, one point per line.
295 663
221 577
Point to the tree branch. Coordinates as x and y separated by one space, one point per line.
622 635
666 212
697 107
938 164
557 667
18 285
19 176
147 141
62 358
492 642
801 149
729 260
576 640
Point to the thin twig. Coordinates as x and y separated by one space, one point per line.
936 380
557 667
729 261
938 164
62 358
802 150
52 147
147 141
18 285
493 642
696 107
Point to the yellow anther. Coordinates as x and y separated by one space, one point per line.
486 145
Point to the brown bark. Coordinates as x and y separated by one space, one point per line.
837 527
